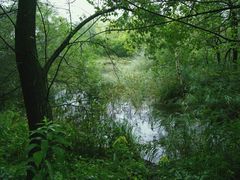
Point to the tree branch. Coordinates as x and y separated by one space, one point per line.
180 20
6 13
66 41
10 11
7 44
45 33
56 72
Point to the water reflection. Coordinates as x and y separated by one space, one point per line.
145 127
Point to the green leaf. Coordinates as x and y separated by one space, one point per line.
30 147
44 147
50 170
38 157
120 140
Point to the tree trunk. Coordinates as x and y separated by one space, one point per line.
218 54
33 80
33 77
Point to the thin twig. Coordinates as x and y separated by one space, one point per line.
66 41
180 20
45 33
7 44
6 13
57 70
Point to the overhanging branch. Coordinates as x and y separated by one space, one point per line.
66 41
180 20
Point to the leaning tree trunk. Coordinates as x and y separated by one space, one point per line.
33 80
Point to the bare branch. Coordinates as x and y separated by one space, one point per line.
84 32
70 13
45 33
57 70
7 44
9 12
6 13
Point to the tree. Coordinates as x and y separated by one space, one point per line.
216 20
9 86
34 76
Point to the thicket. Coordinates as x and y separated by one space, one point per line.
82 142
187 76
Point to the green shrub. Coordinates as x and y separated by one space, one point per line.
13 142
48 146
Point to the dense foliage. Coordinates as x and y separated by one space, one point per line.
178 57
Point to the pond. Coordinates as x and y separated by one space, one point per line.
144 126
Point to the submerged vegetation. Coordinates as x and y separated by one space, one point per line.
175 63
